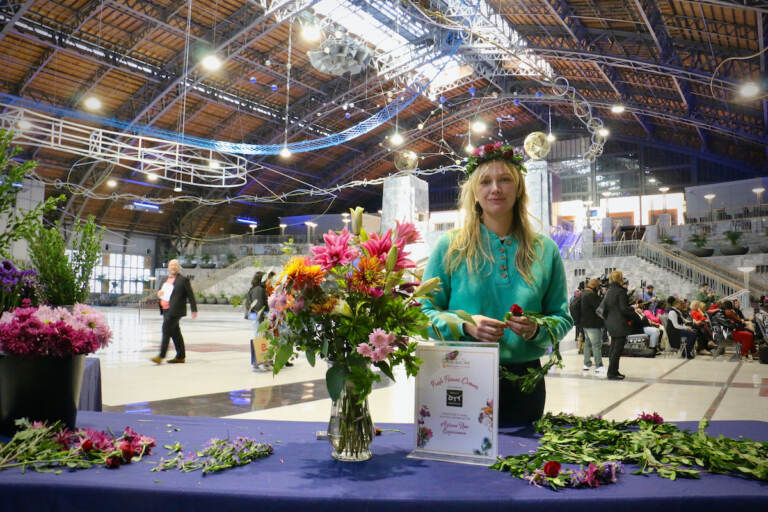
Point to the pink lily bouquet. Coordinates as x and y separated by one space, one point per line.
352 303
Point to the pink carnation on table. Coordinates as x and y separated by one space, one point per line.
336 250
379 338
365 350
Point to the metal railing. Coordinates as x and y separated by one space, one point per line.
724 281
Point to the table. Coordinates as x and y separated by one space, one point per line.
301 475
90 393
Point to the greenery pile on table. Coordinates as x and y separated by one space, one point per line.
655 446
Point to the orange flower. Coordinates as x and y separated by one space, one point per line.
299 273
324 307
368 274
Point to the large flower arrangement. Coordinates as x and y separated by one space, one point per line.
45 331
352 304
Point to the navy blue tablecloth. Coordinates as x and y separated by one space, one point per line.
90 392
301 475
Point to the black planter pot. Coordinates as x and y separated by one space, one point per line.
701 252
731 250
40 389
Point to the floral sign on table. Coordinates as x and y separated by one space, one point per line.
352 304
455 406
41 372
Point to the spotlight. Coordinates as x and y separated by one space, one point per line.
478 127
24 125
457 162
749 90
551 137
311 32
285 152
92 103
213 164
396 139
211 62
469 148
603 132
111 183
420 126
152 176
177 188
617 109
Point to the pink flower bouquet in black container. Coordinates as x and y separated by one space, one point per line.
41 368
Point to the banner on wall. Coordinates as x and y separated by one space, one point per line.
456 404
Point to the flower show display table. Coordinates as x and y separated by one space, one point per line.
301 475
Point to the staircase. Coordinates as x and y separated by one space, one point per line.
683 264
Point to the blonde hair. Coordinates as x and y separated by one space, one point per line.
697 305
466 242
616 277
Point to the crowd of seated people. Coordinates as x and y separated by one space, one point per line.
702 327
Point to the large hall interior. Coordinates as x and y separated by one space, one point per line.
233 135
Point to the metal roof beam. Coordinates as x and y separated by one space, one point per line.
654 22
567 17
21 10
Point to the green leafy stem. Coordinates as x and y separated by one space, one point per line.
529 381
663 448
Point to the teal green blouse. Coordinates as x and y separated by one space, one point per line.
495 287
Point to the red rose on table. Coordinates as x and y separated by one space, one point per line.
516 310
552 468
113 462
127 450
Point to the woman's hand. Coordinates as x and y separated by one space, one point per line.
485 329
522 326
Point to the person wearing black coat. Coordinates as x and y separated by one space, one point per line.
618 314
174 294
593 326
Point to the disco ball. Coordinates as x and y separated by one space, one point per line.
536 145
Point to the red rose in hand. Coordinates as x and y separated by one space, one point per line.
552 468
113 462
516 310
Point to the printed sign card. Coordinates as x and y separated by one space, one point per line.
456 402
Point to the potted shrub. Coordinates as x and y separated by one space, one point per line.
231 258
206 262
18 223
733 249
211 300
188 261
223 299
65 279
700 241
201 298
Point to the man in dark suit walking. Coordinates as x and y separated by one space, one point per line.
617 315
174 294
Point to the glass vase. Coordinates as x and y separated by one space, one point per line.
350 429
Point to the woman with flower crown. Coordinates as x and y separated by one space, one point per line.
494 261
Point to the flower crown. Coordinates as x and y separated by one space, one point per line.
495 151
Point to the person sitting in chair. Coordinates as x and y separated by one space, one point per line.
676 325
